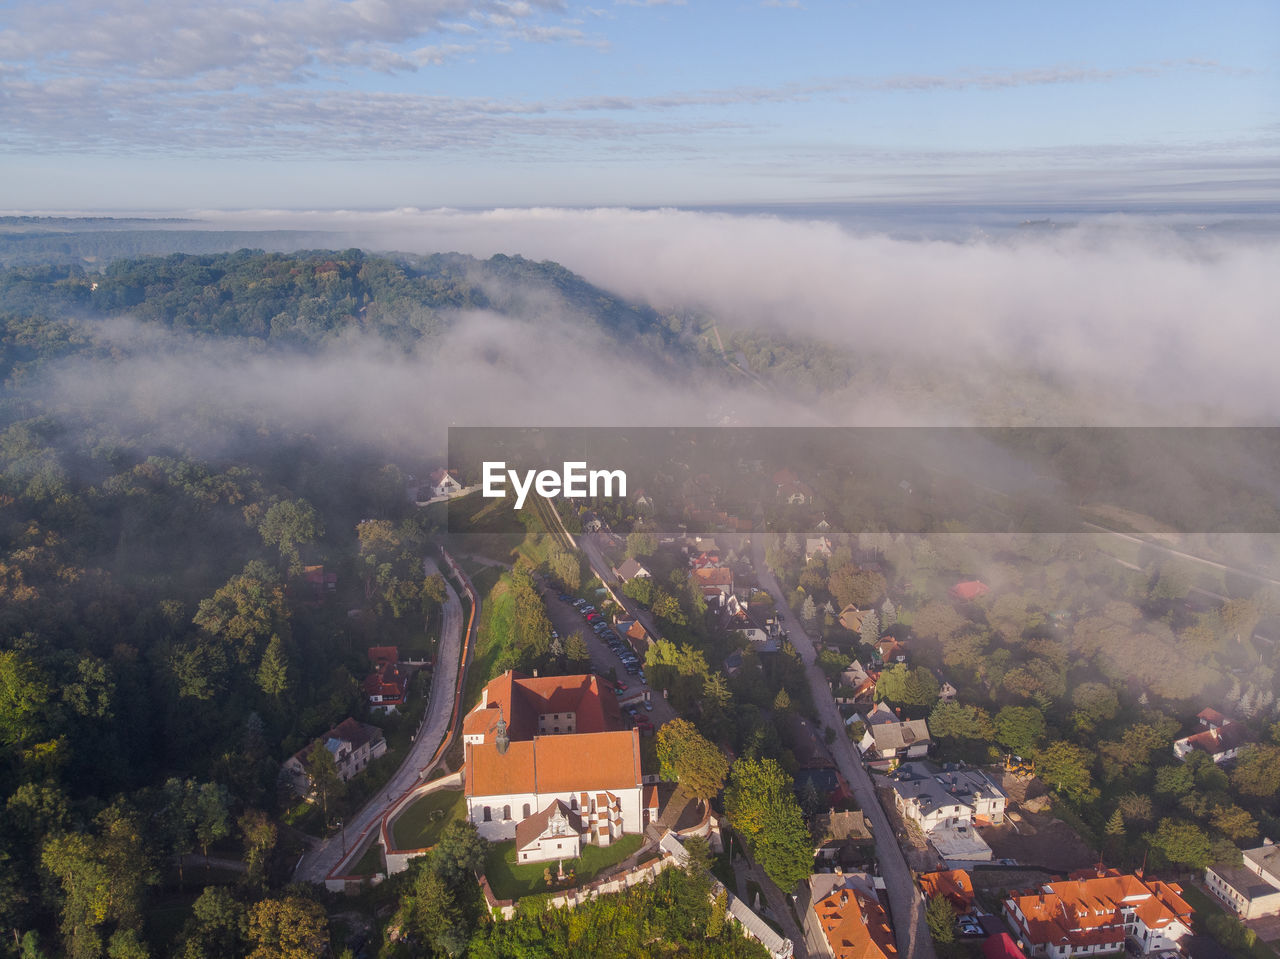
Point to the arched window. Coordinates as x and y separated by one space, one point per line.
526 810
506 812
488 816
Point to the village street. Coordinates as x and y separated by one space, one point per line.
914 941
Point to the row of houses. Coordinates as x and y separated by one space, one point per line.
1088 914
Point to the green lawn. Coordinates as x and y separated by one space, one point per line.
421 824
371 862
511 881
493 635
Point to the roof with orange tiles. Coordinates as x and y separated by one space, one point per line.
713 576
523 699
1086 909
1221 739
855 925
955 884
556 764
1211 716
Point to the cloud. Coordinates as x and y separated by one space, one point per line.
260 43
1143 322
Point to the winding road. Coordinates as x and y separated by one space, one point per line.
323 860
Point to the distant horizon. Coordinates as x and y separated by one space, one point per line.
305 104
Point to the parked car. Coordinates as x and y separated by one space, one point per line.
648 706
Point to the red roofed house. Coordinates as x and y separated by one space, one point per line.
387 687
968 591
1097 912
535 742
1220 737
953 884
853 924
716 583
380 655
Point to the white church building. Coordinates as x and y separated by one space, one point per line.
549 765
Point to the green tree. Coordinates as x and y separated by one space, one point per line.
103 877
288 525
273 671
960 721
212 816
940 915
1020 728
1183 843
288 928
861 587
218 927
429 914
458 854
689 758
322 773
760 804
1235 823
1066 767
246 611
907 686
1257 772
259 834
641 542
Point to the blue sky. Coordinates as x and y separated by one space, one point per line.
192 104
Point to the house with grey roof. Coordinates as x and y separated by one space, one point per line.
889 741
932 796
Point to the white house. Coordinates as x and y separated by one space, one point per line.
947 804
445 483
353 746
1217 736
1251 889
1100 912
554 833
533 742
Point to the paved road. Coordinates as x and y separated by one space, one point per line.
914 941
318 862
595 546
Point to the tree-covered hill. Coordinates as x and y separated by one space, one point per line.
308 299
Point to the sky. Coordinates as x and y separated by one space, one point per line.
110 105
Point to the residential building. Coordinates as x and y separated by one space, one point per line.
534 742
445 482
716 583
839 835
954 885
931 796
353 746
631 569
1099 912
387 686
968 591
1217 736
889 740
1251 889
850 921
815 546
851 618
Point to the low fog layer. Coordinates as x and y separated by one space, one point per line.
1169 326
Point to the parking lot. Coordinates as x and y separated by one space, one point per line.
567 620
